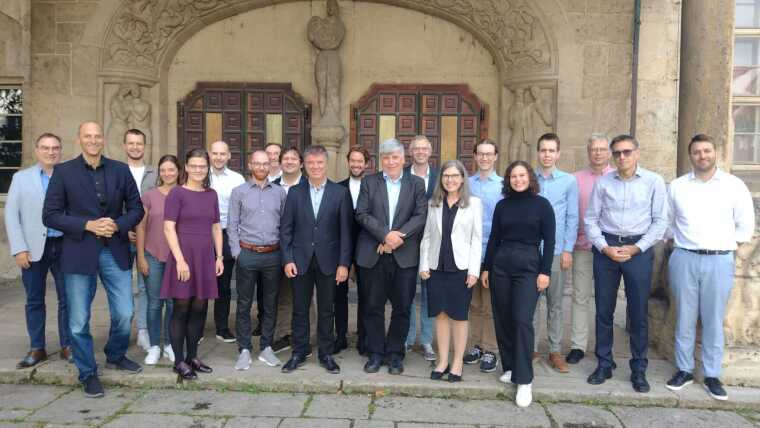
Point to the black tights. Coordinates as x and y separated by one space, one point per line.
187 327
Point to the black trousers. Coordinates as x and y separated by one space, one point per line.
303 286
222 303
341 310
257 270
387 281
514 295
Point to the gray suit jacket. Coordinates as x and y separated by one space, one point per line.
372 216
23 213
148 180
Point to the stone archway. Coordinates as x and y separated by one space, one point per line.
143 36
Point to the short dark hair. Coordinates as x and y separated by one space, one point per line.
135 131
533 186
486 141
198 153
47 135
291 149
624 137
168 158
359 149
315 149
701 138
549 136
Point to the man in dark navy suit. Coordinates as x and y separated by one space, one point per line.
315 237
95 202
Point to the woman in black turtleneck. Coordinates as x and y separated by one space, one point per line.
517 270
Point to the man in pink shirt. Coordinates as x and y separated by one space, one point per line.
583 274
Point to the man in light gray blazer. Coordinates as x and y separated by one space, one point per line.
37 248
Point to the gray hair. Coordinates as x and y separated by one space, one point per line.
597 136
389 146
440 193
315 150
420 138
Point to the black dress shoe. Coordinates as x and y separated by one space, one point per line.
599 376
455 378
575 356
329 364
439 375
639 382
373 364
295 361
340 344
199 366
32 359
396 366
185 371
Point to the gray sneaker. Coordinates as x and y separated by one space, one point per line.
244 360
428 353
268 357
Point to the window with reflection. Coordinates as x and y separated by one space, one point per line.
11 128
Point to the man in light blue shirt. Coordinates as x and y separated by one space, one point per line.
561 189
393 187
488 186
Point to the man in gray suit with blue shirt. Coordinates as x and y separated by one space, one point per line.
37 248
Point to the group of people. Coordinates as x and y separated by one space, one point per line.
483 249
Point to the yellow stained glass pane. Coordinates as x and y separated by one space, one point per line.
274 129
449 131
213 128
387 128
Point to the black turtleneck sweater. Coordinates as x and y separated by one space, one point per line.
525 218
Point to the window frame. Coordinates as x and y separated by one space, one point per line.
739 100
14 84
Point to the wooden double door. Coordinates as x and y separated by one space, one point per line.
450 116
245 115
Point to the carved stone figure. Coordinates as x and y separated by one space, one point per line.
140 119
529 117
121 109
326 34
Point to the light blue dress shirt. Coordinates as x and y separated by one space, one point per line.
489 192
561 189
45 183
316 194
394 190
627 208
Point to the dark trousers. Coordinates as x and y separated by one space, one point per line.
387 281
222 303
257 270
341 310
303 285
34 279
514 295
637 274
361 308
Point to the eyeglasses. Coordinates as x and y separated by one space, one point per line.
484 155
451 176
626 153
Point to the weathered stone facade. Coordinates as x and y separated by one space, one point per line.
562 65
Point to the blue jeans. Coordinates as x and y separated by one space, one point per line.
141 298
426 330
701 287
34 279
80 290
155 302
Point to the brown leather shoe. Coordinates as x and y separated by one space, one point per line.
32 359
66 354
558 363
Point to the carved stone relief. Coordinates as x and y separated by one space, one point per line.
127 108
530 114
326 35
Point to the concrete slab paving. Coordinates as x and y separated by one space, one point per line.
373 424
314 423
422 425
243 422
582 416
9 415
212 403
74 407
654 417
339 406
479 412
695 395
133 420
28 396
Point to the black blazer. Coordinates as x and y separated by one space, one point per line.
71 201
355 227
328 237
432 181
278 180
372 215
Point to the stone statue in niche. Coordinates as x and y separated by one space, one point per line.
128 110
326 35
140 119
529 117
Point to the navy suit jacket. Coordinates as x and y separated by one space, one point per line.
71 202
278 180
432 181
327 237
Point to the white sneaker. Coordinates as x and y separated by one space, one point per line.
154 354
524 395
169 353
143 339
244 360
506 377
428 353
268 357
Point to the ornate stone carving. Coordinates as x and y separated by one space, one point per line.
326 34
742 325
529 117
128 109
141 30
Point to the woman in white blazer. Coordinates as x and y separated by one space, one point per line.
450 261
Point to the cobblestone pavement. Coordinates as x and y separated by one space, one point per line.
57 406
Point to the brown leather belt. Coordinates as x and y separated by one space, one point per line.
259 248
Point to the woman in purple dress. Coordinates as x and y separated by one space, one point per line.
194 235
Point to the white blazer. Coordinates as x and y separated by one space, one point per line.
466 237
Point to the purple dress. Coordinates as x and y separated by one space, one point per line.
194 214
